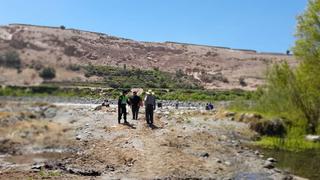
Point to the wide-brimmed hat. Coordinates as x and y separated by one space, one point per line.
149 92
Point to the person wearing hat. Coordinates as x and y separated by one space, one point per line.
122 106
135 102
150 104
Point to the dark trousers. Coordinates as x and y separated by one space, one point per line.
135 111
149 113
122 110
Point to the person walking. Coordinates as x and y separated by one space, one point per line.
150 104
122 107
135 102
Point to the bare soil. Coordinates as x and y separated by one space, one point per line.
74 141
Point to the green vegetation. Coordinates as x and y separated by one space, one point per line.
116 77
294 94
208 95
164 94
48 73
10 59
45 174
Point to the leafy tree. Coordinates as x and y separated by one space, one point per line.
298 91
11 59
307 50
48 73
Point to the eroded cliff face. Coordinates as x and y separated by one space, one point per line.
215 67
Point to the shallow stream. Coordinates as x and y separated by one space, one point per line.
305 164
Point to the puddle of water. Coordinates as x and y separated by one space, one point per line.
305 164
35 158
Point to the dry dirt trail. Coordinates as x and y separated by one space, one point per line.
86 143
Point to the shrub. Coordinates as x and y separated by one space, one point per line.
10 59
242 81
48 73
73 67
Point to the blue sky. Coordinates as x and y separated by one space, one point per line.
263 25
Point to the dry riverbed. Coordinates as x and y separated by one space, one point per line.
79 141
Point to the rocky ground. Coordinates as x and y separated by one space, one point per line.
79 141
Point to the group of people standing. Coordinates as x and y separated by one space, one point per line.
135 102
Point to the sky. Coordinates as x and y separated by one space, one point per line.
262 25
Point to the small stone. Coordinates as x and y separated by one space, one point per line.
230 114
78 137
257 153
277 170
37 166
228 163
87 124
218 161
270 159
261 156
204 154
268 165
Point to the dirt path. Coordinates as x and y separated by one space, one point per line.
90 144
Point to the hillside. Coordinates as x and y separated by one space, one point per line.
213 67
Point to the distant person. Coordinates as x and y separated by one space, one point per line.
150 105
135 102
210 106
122 107
177 105
288 52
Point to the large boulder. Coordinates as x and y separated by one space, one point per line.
274 127
249 117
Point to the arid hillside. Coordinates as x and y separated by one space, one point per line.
61 48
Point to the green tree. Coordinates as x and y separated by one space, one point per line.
48 73
297 92
307 50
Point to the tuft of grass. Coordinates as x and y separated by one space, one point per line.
48 174
288 143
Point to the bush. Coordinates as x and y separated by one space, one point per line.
242 81
48 73
62 27
74 67
10 59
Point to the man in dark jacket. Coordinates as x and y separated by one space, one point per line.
135 102
122 106
150 103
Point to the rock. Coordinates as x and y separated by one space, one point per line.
228 163
313 138
38 166
92 56
273 127
78 137
83 172
98 108
270 159
50 112
204 155
246 117
257 153
223 138
269 165
218 161
230 114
